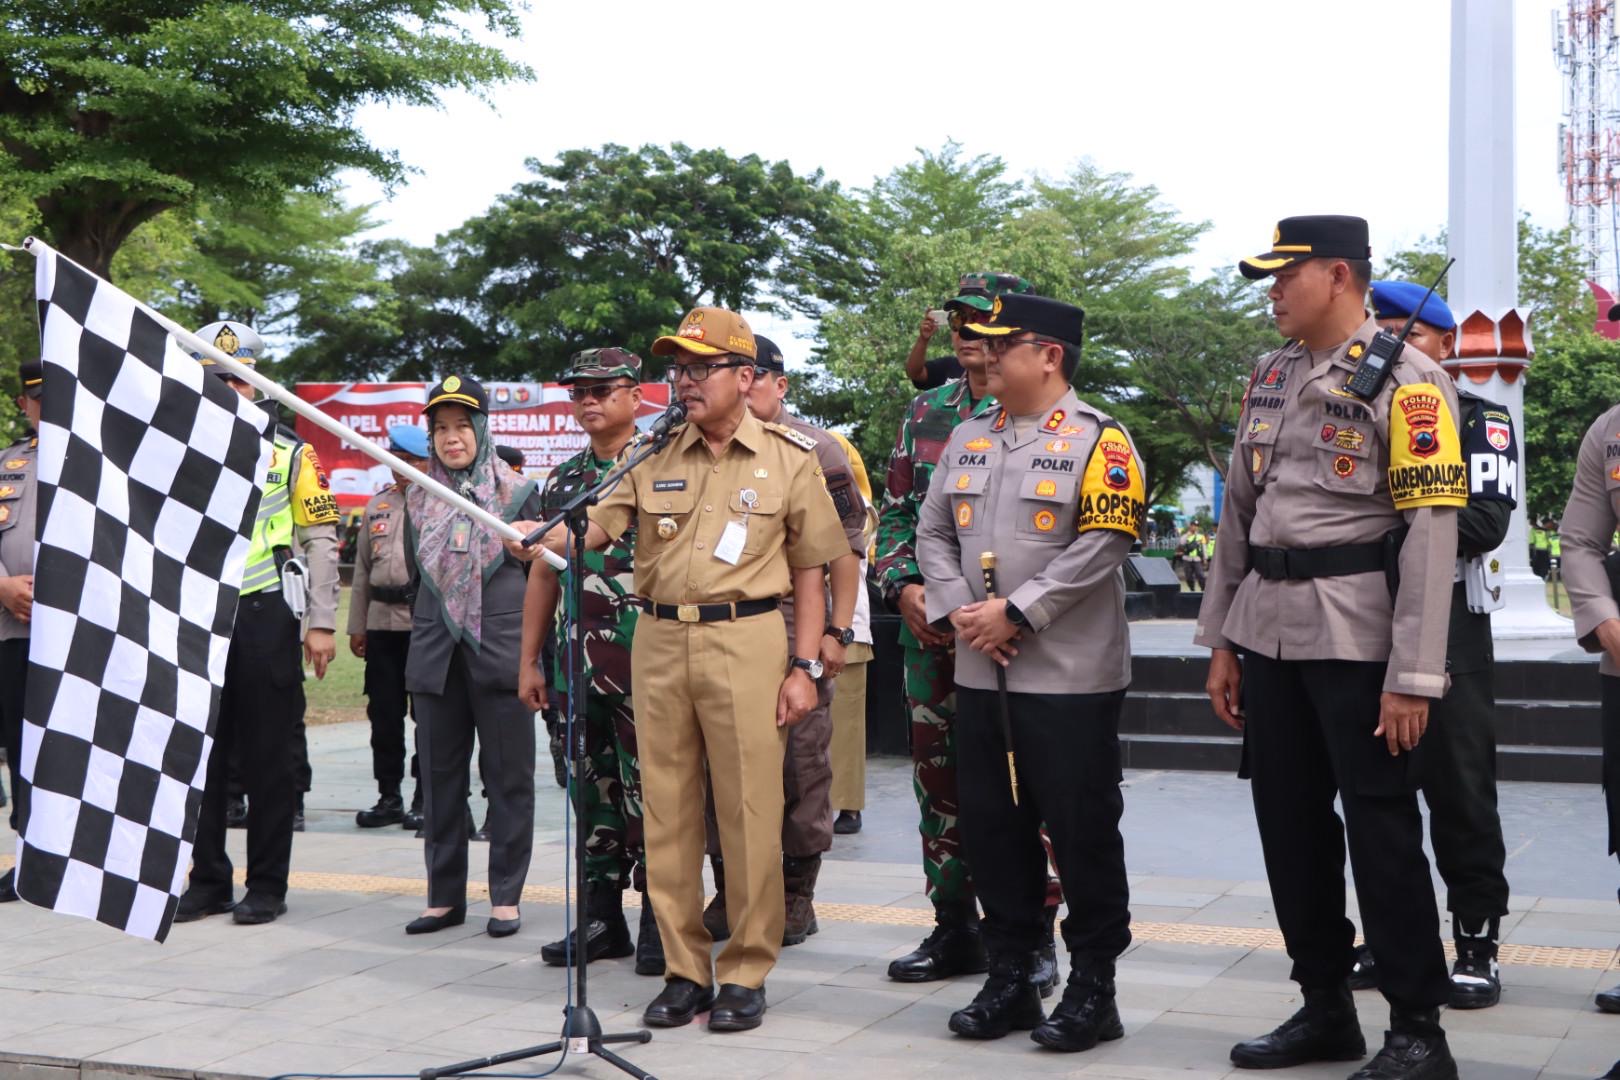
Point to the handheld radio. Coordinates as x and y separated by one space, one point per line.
1379 358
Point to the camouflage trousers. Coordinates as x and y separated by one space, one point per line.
615 853
930 679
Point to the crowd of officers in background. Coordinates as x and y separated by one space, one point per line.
727 616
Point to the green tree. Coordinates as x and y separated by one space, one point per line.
113 112
944 192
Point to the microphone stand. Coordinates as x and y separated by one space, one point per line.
582 1032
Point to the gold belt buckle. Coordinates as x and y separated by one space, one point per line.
687 613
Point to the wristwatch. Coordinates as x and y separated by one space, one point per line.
1016 616
811 668
844 634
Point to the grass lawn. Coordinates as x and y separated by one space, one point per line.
338 697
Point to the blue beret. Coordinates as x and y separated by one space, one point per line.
408 439
1398 299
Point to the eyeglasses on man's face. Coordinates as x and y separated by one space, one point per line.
700 370
999 346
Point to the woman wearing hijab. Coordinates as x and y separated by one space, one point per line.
465 633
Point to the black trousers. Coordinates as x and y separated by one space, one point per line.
1611 757
444 737
387 652
13 687
1309 737
1459 784
1067 748
259 711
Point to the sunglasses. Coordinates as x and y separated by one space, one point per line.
598 392
959 319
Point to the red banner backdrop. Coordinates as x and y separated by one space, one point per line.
536 418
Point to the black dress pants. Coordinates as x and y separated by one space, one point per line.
1067 748
13 686
259 711
1459 784
387 652
1309 737
1611 757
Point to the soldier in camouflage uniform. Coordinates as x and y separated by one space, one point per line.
605 387
954 947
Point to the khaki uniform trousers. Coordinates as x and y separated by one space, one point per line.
707 691
849 731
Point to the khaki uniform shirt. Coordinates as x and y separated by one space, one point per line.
380 560
766 481
1060 505
839 476
1312 468
1587 530
19 472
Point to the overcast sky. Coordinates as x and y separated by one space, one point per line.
1239 111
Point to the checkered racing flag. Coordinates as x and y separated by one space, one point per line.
150 474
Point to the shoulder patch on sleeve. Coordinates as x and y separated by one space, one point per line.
313 500
1425 456
797 438
1489 449
1112 492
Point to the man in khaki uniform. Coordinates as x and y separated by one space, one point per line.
1333 580
1588 527
380 634
730 517
1054 489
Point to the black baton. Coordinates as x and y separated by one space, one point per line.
987 563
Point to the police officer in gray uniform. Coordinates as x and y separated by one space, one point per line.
18 474
1054 490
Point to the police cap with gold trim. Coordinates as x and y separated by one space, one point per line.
1022 313
32 375
1314 236
458 390
237 340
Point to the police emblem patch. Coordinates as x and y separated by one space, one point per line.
1344 466
1045 520
964 514
1057 446
963 481
1046 488
977 444
1498 435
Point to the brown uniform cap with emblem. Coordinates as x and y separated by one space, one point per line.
1316 236
708 331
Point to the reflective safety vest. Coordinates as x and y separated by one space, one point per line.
1538 540
1555 545
273 528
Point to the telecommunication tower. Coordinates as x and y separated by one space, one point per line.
1587 49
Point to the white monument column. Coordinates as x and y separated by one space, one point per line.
1493 347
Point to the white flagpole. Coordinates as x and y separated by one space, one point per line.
325 422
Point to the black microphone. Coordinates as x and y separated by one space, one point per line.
672 418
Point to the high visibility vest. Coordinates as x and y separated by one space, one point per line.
273 528
1555 545
1538 540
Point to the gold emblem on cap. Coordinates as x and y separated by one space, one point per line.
995 307
666 528
695 318
226 341
1276 235
452 384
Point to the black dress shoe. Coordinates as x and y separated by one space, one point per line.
1415 1049
412 818
482 832
1608 1000
848 822
1612 1074
953 948
1008 1000
504 927
1087 1015
1324 1029
257 908
737 1008
390 810
1364 975
195 905
678 1003
8 887
649 946
428 924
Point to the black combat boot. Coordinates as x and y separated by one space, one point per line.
1476 978
1364 975
1414 1049
413 817
714 916
1046 965
955 947
799 884
1087 1014
607 935
1007 1001
1324 1029
649 946
390 810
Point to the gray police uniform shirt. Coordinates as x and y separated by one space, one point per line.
380 559
1060 505
18 499
1314 466
1587 531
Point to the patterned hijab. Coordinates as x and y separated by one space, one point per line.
457 578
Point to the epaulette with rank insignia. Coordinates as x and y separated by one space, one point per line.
797 438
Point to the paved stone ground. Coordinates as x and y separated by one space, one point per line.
335 986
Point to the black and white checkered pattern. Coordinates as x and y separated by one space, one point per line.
150 473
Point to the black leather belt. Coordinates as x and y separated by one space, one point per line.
1294 564
388 594
694 613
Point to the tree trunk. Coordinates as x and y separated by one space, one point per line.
92 236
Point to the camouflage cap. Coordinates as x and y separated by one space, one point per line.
609 363
979 290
